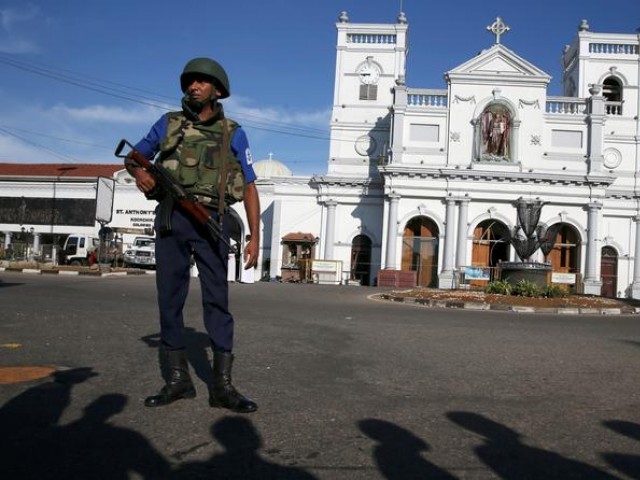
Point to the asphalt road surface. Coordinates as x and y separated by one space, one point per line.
348 388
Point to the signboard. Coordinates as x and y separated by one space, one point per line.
566 278
326 266
104 199
327 272
477 273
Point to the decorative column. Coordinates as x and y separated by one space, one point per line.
275 252
592 281
7 239
446 277
595 137
461 251
399 111
392 228
35 249
515 135
329 239
635 286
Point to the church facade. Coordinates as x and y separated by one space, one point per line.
439 187
442 182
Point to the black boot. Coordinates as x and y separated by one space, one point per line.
175 369
222 393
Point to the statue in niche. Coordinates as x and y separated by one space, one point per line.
495 130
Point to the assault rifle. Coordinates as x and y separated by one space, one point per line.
167 184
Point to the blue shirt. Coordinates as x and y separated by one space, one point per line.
149 146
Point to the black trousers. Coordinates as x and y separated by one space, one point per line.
173 256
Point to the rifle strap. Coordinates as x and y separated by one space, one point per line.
224 171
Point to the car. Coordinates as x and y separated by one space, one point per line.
141 254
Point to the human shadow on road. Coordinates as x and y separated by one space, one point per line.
504 452
29 421
93 448
398 453
241 458
628 464
35 446
197 346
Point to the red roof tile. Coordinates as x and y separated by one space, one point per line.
299 237
59 169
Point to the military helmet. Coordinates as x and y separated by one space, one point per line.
210 68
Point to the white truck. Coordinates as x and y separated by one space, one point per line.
77 248
141 254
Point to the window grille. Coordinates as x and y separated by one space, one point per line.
368 92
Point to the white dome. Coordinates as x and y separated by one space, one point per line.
271 168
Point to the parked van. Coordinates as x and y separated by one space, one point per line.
77 249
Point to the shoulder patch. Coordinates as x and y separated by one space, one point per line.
249 157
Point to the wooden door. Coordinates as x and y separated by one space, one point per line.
609 272
420 250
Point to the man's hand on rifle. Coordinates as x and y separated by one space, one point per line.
144 180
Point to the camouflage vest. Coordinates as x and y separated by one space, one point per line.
192 153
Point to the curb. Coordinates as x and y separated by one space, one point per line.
425 302
88 273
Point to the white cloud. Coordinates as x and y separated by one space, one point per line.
107 114
237 107
12 40
61 133
88 134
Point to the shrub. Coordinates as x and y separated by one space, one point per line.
501 287
526 288
554 291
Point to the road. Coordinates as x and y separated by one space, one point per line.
348 388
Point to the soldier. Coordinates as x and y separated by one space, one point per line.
201 148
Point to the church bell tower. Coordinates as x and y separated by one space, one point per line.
370 59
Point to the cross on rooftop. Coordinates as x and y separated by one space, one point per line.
498 28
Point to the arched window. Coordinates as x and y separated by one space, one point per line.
612 92
420 250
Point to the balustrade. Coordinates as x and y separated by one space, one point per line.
613 48
434 99
613 108
371 38
566 106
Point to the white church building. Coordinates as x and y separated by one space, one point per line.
423 185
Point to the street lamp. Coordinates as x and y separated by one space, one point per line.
29 238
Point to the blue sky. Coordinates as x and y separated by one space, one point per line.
78 75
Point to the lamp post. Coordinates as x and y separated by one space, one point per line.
29 238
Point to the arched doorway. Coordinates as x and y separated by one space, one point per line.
361 259
565 254
490 244
420 250
609 272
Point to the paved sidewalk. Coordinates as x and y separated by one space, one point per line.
426 302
